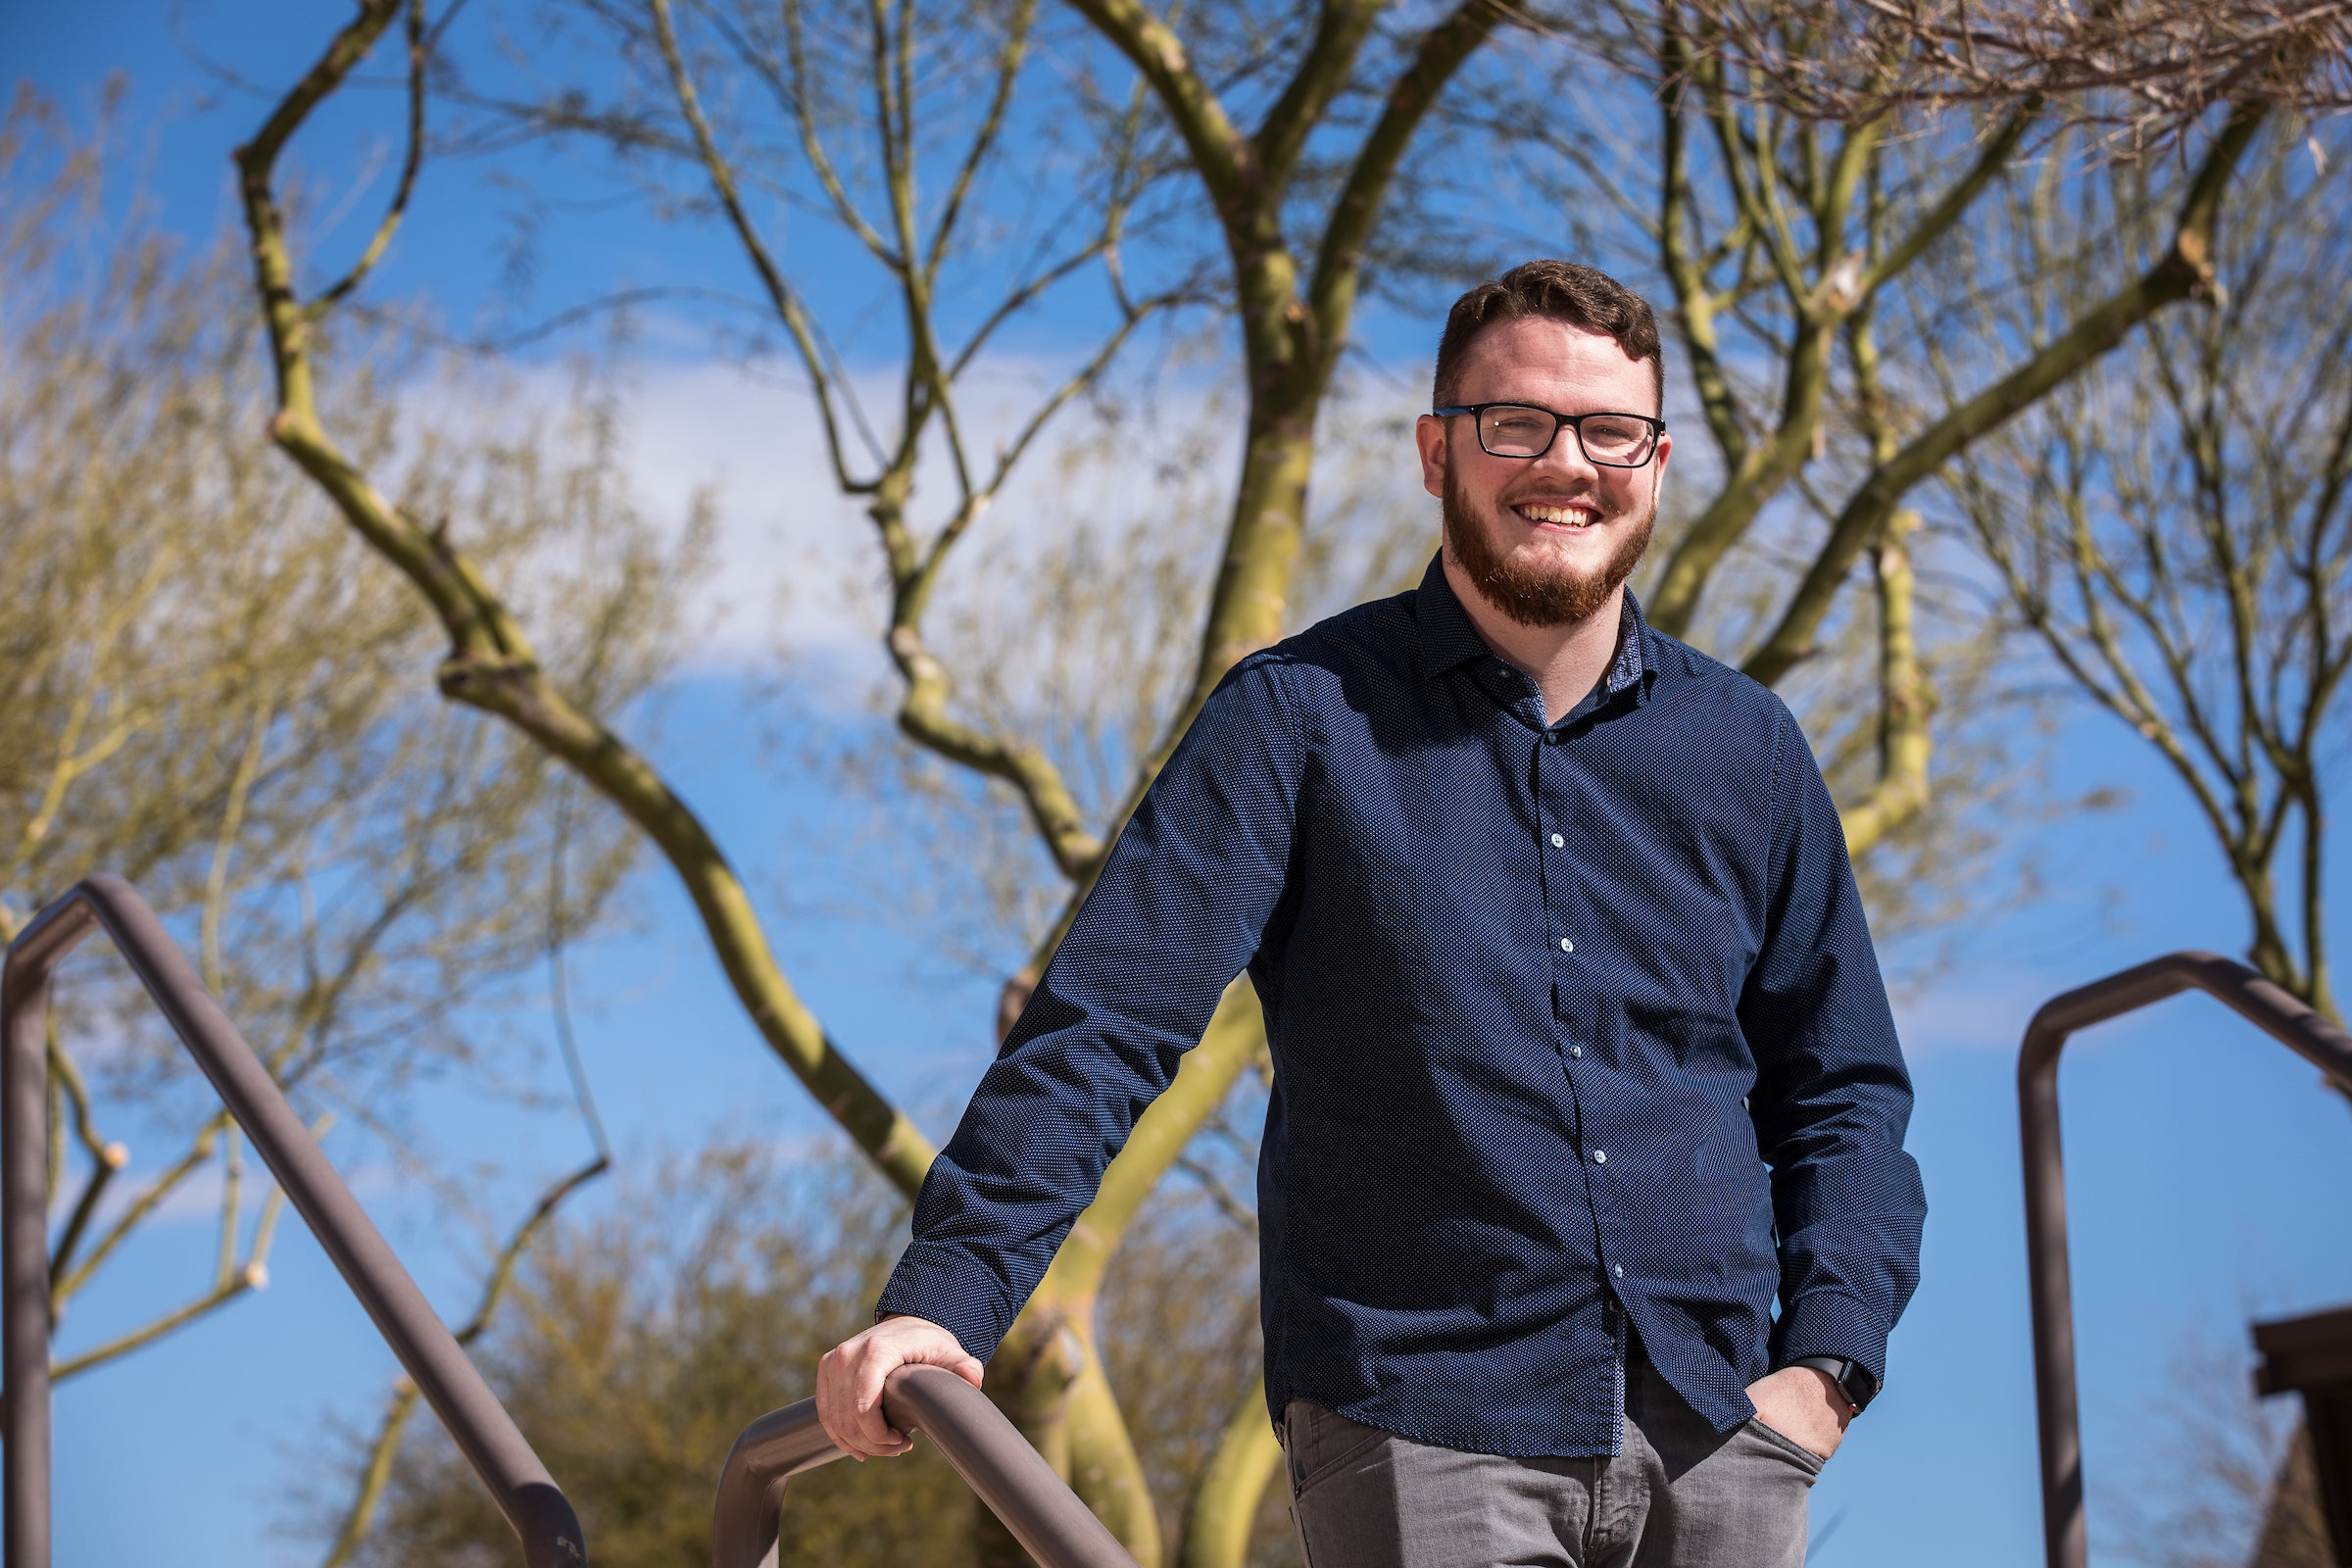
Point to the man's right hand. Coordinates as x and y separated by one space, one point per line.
848 1382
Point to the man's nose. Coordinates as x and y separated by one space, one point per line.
1567 460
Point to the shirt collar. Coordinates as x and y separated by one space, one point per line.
1448 638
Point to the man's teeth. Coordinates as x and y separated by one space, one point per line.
1577 516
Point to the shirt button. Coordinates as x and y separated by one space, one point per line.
1567 946
1600 1156
1576 1052
1558 841
1617 1269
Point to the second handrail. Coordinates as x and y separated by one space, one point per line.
995 1461
435 1362
2244 992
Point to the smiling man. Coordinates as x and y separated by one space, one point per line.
1581 1053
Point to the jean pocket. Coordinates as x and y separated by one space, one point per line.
1318 1443
1786 1446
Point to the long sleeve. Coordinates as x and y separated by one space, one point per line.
1832 1097
1178 910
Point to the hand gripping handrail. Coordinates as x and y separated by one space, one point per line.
2243 991
995 1461
485 1434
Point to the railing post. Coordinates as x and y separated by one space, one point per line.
2050 1283
25 1226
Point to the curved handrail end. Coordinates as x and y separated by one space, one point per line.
995 1461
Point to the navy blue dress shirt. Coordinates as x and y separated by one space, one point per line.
1572 1024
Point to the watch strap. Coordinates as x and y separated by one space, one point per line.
1852 1378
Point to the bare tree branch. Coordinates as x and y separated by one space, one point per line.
2147 70
2181 272
381 240
491 664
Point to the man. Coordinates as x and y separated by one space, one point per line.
1581 1050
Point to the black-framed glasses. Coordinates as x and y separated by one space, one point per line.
1527 430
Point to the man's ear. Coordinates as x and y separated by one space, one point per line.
1429 436
1658 463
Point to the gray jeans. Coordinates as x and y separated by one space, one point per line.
1680 1495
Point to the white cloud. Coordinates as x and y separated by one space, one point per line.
1987 1012
799 564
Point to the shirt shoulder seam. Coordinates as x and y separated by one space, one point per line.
1289 703
1784 802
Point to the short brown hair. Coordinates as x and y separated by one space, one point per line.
1562 291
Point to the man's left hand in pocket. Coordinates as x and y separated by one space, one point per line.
1805 1405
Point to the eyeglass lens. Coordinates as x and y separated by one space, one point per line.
1509 430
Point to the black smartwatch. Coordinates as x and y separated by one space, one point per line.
1851 1377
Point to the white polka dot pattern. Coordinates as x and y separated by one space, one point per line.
1576 1028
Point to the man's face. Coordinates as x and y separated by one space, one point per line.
1546 539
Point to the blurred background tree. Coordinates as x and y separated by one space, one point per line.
2174 531
205 691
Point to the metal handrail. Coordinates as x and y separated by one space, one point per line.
485 1434
995 1461
2244 992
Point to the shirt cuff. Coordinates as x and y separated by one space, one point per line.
1830 1323
948 1287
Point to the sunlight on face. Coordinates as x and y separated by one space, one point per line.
1547 539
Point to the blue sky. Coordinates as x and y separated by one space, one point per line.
2194 1147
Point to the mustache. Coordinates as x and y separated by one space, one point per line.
1560 498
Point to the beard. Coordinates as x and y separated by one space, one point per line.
1524 585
